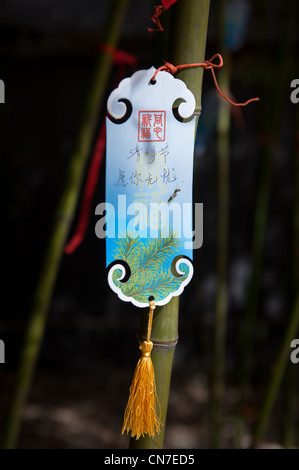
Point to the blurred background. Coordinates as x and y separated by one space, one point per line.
48 51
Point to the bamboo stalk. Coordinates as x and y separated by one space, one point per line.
291 383
291 407
272 126
60 229
259 231
272 121
164 336
258 236
292 321
189 31
223 148
278 371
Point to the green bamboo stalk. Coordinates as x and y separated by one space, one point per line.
272 119
278 371
223 148
189 31
260 224
291 383
293 320
258 237
291 406
61 226
164 337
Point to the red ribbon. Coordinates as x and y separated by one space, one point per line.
158 10
121 59
207 64
90 186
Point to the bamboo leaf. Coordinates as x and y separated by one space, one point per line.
148 261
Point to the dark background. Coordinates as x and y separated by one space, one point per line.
47 54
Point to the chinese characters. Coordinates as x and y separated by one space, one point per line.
151 126
134 178
148 152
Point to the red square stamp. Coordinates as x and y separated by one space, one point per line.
151 126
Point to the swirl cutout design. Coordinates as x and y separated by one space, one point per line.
139 89
117 273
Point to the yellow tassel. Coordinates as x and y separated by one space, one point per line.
141 412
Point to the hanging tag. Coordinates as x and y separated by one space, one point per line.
149 168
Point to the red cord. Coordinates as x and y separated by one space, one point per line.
121 58
90 186
158 10
208 65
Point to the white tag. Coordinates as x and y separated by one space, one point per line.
149 169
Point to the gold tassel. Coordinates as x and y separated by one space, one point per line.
141 411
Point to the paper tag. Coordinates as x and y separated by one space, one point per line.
149 172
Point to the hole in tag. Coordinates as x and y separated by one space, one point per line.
152 82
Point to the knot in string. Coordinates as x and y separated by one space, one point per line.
208 65
167 67
146 348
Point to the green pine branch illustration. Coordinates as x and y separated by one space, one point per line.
147 260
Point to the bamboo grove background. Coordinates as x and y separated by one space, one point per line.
232 384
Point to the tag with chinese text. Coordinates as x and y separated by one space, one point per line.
149 167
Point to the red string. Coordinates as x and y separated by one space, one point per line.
168 3
158 10
121 58
208 65
91 183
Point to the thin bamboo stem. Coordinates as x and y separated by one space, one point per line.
61 225
223 146
272 125
278 371
189 31
291 407
292 383
223 151
164 336
260 224
272 120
